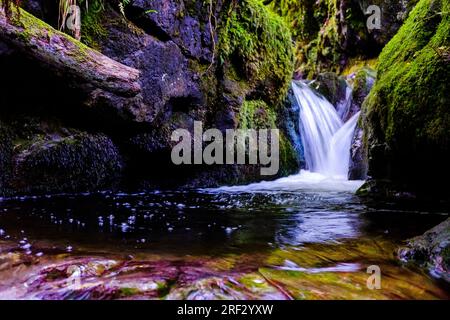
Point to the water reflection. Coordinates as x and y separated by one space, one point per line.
187 243
169 220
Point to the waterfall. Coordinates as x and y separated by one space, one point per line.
326 141
324 135
319 123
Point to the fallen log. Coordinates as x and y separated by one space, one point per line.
102 80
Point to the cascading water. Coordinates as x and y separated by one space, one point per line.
326 140
324 135
319 123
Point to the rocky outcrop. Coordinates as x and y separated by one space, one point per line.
430 250
406 116
331 35
136 78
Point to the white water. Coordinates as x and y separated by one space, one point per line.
326 140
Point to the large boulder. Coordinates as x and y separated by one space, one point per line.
65 163
406 116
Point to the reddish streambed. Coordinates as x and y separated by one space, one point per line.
196 245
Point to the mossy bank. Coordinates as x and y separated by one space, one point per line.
407 116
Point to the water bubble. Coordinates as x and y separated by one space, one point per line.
26 246
124 227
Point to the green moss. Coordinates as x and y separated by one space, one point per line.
92 29
413 65
257 43
289 163
128 292
256 114
407 111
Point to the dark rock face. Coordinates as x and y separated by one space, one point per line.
186 23
430 250
291 122
358 162
189 67
57 163
67 164
362 84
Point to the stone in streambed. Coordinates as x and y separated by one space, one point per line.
78 162
430 250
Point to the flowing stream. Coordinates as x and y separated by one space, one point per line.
306 236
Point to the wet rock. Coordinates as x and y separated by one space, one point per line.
362 83
290 122
430 250
358 160
332 87
78 162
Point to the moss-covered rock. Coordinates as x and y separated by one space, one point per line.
255 45
74 163
430 250
406 116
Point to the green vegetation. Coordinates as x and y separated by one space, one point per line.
259 44
414 64
92 28
257 115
